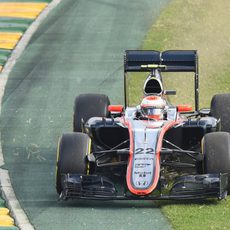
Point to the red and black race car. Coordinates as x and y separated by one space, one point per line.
154 150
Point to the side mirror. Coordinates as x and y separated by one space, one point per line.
170 92
114 109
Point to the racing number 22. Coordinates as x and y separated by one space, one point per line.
142 151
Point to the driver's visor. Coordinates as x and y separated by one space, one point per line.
152 111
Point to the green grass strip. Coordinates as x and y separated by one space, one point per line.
14 24
13 29
4 55
5 52
23 21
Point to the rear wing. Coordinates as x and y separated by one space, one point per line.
173 60
167 61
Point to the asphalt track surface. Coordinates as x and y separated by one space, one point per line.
79 48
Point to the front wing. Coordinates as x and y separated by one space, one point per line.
77 186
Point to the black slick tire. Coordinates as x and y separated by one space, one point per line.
71 155
220 109
216 149
87 106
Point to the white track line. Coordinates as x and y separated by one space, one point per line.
21 220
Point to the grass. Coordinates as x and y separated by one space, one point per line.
206 215
202 25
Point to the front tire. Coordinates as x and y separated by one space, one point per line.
220 109
87 106
216 149
71 156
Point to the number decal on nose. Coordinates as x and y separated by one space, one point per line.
142 151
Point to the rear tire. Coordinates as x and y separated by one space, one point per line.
216 149
220 109
71 155
87 106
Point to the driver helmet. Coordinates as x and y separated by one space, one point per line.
153 107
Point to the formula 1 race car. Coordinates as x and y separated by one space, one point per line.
154 150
